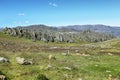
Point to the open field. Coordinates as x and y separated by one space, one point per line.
94 61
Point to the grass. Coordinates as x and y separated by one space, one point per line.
94 67
97 66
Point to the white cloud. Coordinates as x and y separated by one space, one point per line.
53 4
21 14
27 22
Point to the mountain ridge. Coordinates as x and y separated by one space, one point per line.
114 30
97 28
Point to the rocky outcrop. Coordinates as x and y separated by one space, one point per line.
49 35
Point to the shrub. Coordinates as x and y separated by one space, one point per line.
41 77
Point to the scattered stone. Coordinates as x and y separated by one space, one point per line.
85 54
22 61
49 66
77 51
110 54
67 68
64 54
79 78
51 57
2 77
109 77
2 59
54 47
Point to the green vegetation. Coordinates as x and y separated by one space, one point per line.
95 61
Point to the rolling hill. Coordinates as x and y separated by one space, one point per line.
76 28
97 28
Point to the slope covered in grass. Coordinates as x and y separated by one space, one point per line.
86 63
94 67
8 42
114 43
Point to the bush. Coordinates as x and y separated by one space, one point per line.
41 77
1 73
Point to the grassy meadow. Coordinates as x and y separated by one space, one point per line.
86 61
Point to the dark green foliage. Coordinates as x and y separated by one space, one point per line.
1 73
41 77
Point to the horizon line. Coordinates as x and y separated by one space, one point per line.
60 25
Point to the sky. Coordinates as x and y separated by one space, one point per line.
59 12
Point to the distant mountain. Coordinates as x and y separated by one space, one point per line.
42 27
97 28
75 28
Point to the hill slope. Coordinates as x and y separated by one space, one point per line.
83 62
97 28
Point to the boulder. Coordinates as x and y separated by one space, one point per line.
51 57
110 54
49 66
22 61
64 54
79 78
2 59
2 77
67 68
77 51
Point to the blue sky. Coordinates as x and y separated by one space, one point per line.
59 12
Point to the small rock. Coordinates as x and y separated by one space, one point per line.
49 66
2 59
85 54
109 77
51 57
77 51
67 68
110 54
23 61
2 77
54 47
79 78
20 60
64 54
